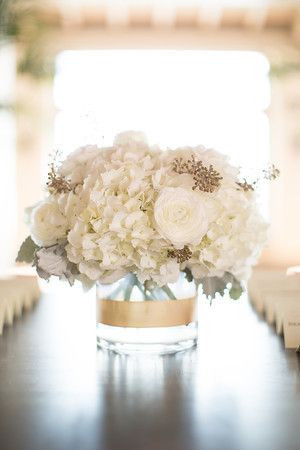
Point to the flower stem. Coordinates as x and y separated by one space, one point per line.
142 288
169 292
130 285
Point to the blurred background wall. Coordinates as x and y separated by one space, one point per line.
225 74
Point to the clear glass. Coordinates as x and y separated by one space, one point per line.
148 339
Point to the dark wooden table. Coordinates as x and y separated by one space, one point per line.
238 390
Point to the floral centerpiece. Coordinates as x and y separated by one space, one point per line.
136 215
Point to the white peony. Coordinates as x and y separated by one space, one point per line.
47 224
180 216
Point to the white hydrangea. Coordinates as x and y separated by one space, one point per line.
234 238
77 166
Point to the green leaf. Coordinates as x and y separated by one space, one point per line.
86 283
212 286
142 289
236 288
188 275
129 287
169 292
235 292
27 251
221 285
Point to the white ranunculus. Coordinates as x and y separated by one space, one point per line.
180 216
47 224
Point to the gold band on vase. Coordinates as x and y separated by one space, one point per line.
146 314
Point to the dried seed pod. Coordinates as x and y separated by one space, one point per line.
206 179
181 255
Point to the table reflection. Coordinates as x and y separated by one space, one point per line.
231 391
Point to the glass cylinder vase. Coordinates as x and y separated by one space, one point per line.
143 318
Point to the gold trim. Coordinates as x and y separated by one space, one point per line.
148 313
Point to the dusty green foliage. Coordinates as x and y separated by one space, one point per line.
188 275
27 251
284 69
21 22
211 286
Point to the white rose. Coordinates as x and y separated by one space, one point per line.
180 216
47 224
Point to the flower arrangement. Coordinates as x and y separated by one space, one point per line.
135 209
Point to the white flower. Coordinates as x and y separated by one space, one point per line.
47 224
91 269
169 273
71 204
111 276
78 163
180 216
234 238
130 138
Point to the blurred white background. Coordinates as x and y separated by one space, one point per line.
222 74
